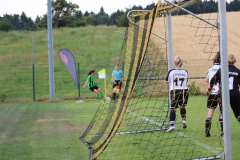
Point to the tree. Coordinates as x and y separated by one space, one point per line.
5 25
234 5
119 19
26 23
101 18
41 22
63 12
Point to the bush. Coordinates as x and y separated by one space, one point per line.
5 26
3 97
194 89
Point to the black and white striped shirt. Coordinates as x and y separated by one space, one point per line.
177 79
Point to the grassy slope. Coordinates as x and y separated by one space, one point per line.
94 48
50 131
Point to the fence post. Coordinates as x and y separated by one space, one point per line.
78 83
33 83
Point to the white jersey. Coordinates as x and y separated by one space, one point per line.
177 79
211 72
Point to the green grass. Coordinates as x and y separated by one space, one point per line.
50 131
44 131
93 47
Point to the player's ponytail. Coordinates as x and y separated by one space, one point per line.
217 58
91 72
178 61
232 59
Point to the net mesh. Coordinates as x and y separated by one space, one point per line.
134 126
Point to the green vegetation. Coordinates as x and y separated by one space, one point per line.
68 14
93 47
50 131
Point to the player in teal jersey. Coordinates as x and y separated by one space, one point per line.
117 75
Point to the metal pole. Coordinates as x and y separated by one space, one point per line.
169 41
224 79
33 83
78 83
50 53
33 69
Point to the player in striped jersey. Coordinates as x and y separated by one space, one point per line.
214 97
178 85
234 84
92 84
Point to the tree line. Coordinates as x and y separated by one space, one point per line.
68 14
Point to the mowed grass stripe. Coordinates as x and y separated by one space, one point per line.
44 131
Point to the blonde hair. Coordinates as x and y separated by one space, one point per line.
117 66
231 59
178 61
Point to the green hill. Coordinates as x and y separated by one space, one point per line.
93 47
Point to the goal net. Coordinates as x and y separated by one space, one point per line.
134 126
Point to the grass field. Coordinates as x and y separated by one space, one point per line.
50 131
47 131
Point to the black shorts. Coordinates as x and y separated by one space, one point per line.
179 98
93 88
213 101
235 102
117 83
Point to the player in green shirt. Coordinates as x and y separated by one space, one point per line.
92 84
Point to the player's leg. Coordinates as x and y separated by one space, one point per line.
172 111
235 104
212 103
183 103
220 114
118 88
98 92
115 90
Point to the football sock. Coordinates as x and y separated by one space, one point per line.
208 124
183 113
172 117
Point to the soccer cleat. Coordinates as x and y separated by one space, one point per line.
184 124
171 128
238 118
222 134
207 133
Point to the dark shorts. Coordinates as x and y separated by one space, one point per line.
93 88
213 101
179 98
117 83
235 103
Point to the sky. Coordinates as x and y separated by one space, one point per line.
39 7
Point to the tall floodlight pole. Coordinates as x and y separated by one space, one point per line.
50 53
225 79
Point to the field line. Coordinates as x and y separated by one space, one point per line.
203 145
